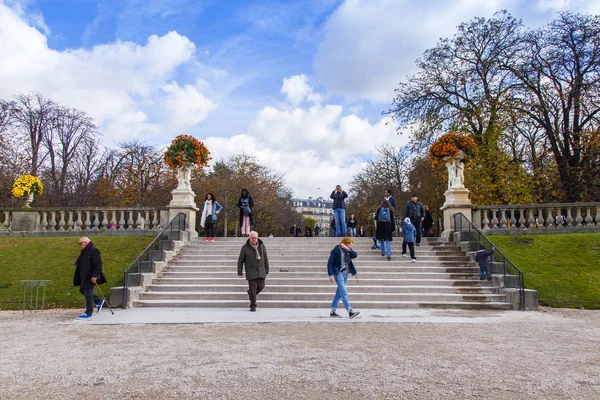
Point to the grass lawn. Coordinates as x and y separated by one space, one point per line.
54 258
559 267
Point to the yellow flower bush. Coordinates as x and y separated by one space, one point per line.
186 148
25 185
449 145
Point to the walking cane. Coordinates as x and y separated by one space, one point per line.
106 301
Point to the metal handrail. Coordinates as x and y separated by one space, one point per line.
462 224
174 228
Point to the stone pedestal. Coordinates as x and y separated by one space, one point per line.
25 221
183 202
457 201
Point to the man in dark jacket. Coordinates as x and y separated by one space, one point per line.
415 211
339 210
88 273
254 256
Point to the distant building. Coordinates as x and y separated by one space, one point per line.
318 209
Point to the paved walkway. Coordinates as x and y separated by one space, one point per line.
148 315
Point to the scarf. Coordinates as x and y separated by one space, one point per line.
206 212
255 249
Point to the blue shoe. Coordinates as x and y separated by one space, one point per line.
85 316
99 306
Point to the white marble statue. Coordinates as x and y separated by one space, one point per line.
184 174
456 171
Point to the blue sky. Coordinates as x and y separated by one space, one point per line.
299 84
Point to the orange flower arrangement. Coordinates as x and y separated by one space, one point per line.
449 145
186 149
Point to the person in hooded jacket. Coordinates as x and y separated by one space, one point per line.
253 256
88 273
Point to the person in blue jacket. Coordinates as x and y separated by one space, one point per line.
210 209
338 266
408 235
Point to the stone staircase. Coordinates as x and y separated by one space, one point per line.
205 275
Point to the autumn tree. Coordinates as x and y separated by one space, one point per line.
559 73
509 87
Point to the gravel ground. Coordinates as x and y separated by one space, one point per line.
552 354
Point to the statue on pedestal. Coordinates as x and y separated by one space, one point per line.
456 171
184 174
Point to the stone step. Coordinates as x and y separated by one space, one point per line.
319 280
388 267
323 275
325 304
291 261
266 295
322 288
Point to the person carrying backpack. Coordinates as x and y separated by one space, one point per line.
384 230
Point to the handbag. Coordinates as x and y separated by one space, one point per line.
247 210
210 219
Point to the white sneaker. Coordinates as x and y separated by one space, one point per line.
403 255
414 260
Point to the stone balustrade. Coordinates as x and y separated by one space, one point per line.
52 220
537 218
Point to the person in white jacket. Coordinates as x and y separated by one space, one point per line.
210 209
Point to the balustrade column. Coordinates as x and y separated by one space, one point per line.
113 220
147 219
495 221
7 220
61 221
70 221
87 222
578 219
44 221
130 221
549 222
569 218
122 220
139 222
78 222
588 218
52 221
155 223
522 219
485 220
503 222
530 219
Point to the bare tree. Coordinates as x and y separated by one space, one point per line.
67 135
559 70
33 115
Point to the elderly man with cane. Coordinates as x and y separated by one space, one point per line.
88 273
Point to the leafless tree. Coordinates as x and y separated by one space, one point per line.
33 115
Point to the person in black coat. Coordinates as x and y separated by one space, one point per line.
427 222
88 273
246 204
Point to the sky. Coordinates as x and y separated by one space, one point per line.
301 85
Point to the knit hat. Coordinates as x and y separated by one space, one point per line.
407 220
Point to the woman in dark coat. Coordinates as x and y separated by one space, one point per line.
88 273
245 203
384 230
427 222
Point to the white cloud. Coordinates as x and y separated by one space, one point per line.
186 106
128 88
370 46
297 89
315 147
